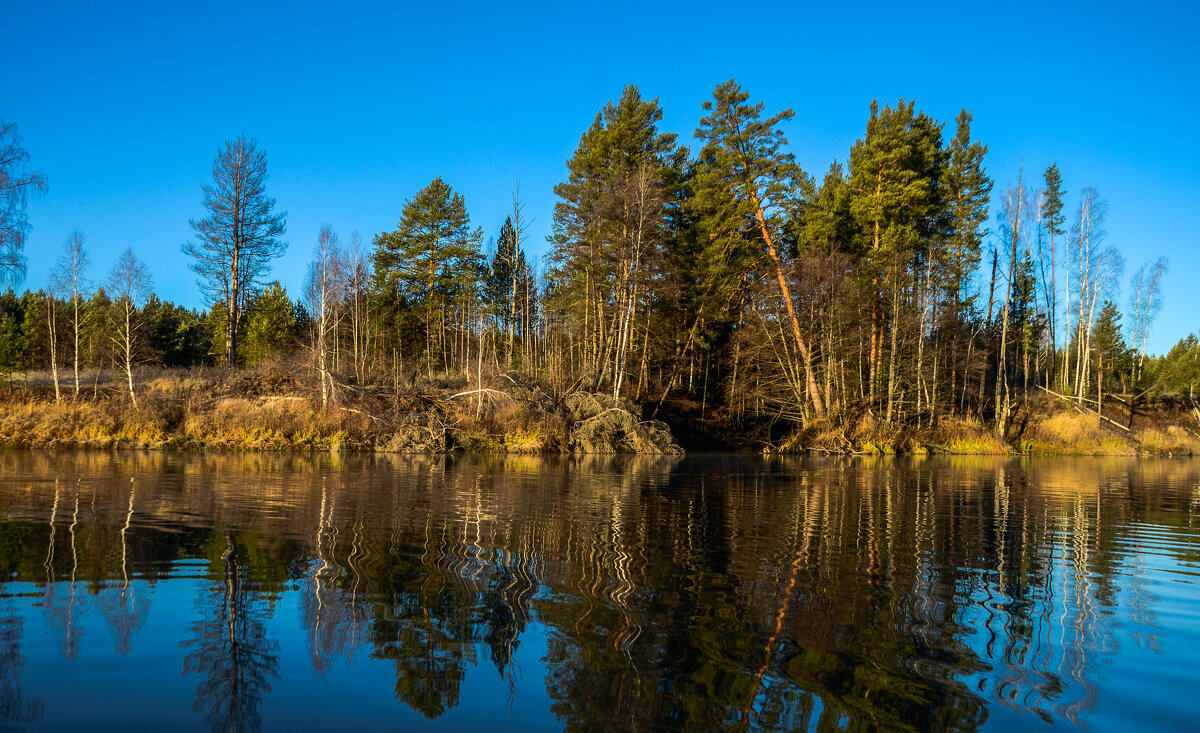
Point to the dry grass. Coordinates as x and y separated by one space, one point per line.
967 435
1172 440
275 407
1073 433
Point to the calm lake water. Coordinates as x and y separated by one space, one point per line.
149 590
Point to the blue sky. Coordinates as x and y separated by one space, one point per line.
124 107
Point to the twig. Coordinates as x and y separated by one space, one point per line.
484 390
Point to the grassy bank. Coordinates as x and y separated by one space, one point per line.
274 408
1040 426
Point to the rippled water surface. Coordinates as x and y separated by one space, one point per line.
285 592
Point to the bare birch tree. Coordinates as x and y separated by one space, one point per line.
68 278
129 285
1145 301
358 283
1013 223
16 186
1096 269
323 291
238 239
51 301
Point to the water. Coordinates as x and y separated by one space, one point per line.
149 590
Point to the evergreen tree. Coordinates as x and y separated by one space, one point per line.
1113 356
967 191
431 258
610 228
240 236
270 324
16 353
896 172
1053 221
744 159
175 336
827 222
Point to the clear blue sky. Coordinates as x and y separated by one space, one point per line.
123 107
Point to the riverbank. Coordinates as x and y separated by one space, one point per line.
1042 425
274 408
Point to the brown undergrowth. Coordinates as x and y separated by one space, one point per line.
275 407
1041 426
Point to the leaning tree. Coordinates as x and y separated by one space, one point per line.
239 237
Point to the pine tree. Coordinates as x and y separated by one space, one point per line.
240 236
1052 223
610 227
744 159
896 200
430 259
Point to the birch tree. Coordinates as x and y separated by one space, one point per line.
129 285
68 278
326 276
17 184
1096 268
1145 301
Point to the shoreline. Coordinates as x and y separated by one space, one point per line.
273 411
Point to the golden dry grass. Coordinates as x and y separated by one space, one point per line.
1173 440
1073 433
967 435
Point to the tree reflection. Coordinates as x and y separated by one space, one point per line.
15 707
230 648
710 594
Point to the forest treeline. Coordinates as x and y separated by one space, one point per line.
722 282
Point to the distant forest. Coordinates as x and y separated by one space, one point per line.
725 279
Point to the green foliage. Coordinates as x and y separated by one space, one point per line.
827 222
1179 370
16 353
967 188
742 169
592 218
270 327
433 252
175 336
896 170
1052 202
1111 351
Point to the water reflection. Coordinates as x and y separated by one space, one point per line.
668 593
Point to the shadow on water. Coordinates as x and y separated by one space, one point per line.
669 593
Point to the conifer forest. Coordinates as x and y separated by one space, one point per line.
709 280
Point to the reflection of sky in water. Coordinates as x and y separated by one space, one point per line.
93 690
712 592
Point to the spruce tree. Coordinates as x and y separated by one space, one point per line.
967 191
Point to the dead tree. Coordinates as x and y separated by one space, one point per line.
238 239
